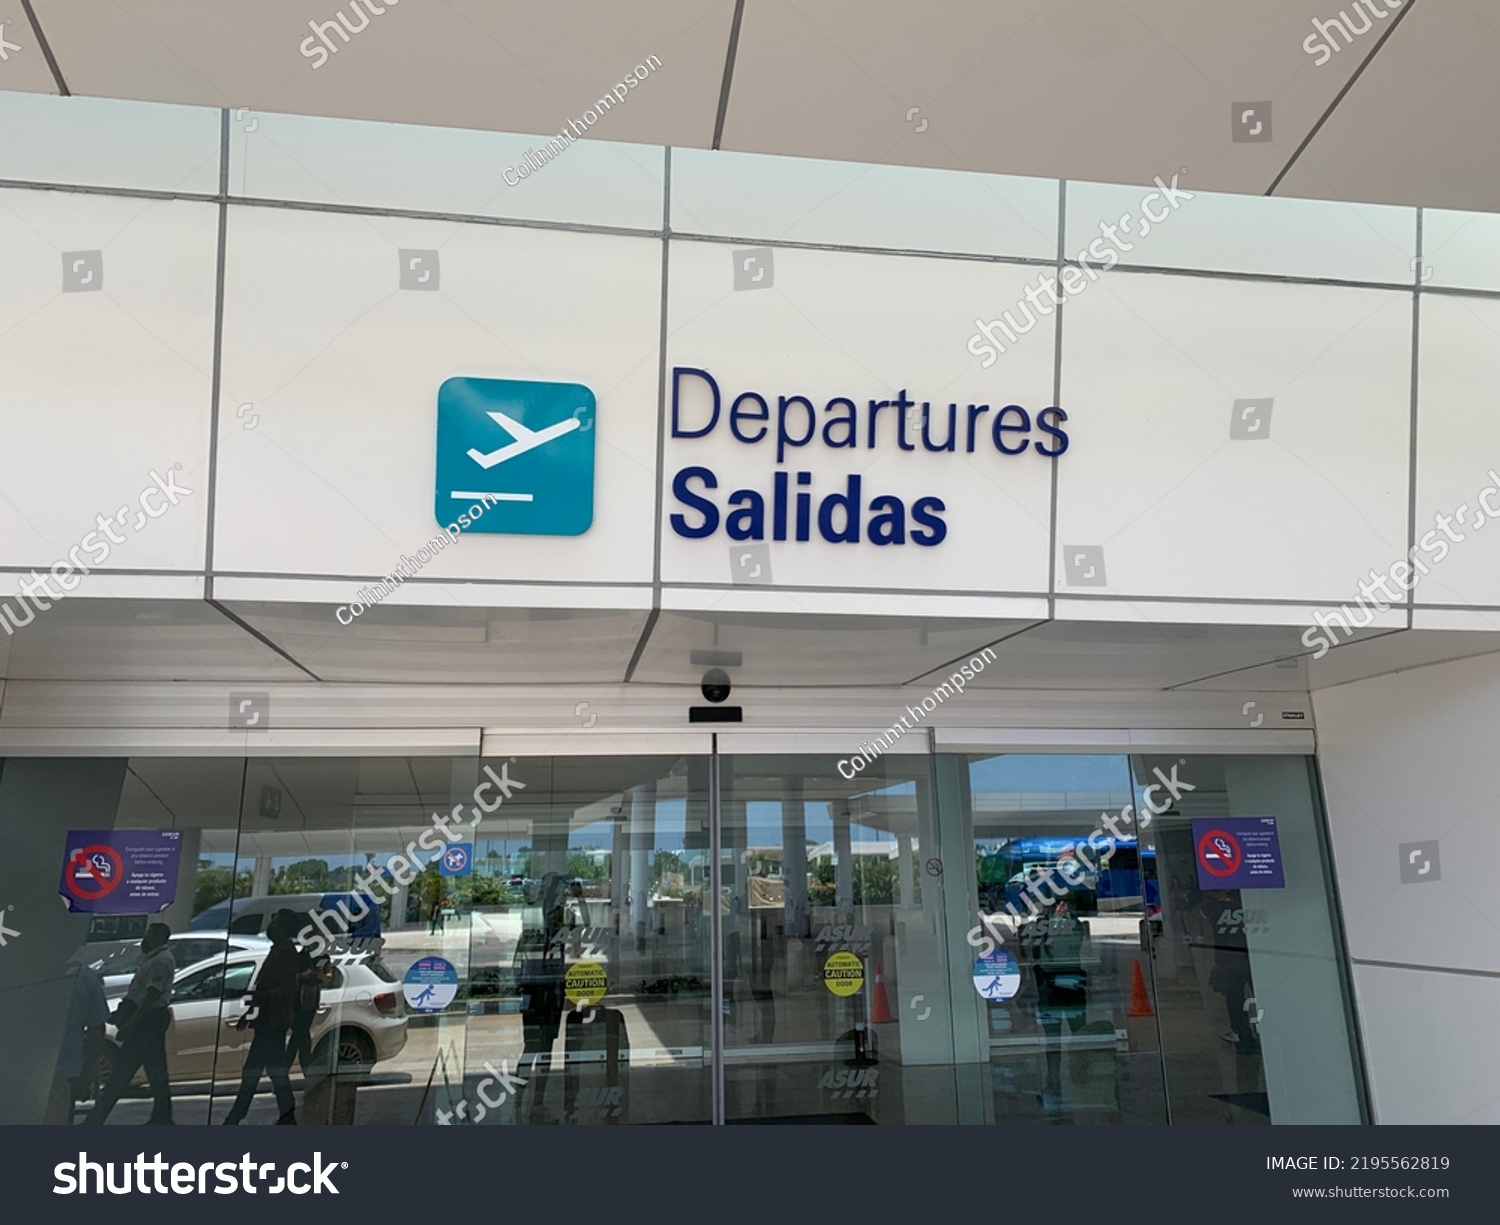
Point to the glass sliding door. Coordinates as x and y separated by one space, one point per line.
834 964
1245 965
1056 986
757 937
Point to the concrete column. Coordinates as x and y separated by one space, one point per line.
905 877
619 872
843 872
398 908
40 801
642 844
794 855
260 876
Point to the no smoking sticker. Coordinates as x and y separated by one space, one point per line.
94 872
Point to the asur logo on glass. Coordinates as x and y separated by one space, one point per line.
6 47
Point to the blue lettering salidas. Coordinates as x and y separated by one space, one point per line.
839 517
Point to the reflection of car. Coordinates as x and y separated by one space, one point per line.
361 1019
187 948
248 916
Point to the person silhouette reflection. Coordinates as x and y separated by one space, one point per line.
1059 942
141 1023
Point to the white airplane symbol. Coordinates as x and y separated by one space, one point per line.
525 439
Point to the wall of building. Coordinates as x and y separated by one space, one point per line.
1237 376
1407 759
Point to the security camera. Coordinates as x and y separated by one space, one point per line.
716 685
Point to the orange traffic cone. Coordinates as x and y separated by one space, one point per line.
1140 1001
880 1006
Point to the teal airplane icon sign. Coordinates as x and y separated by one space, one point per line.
527 446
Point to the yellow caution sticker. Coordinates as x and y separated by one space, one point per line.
844 974
585 983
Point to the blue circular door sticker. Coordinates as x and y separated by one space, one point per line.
997 976
430 984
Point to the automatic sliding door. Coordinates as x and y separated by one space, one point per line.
826 930
1065 1018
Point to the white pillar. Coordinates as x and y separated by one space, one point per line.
843 871
794 855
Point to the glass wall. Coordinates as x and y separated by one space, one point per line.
553 941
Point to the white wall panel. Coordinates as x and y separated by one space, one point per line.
103 386
793 199
1152 367
343 369
1408 758
1458 445
447 170
1284 237
865 327
105 142
1426 1062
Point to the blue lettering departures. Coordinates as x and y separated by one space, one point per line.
791 508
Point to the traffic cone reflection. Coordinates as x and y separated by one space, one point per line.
1140 1001
880 1006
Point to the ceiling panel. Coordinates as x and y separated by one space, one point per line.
409 644
782 649
505 65
1094 90
108 639
1409 131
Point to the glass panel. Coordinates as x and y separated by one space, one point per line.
793 199
130 846
1462 249
827 927
1220 232
1250 1005
108 142
1057 980
591 977
446 170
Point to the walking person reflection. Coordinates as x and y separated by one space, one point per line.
141 1023
1062 986
313 974
273 1000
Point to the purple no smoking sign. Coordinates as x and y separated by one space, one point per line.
1237 853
